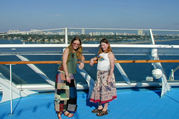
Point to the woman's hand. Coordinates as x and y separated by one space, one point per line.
81 66
109 79
91 62
68 79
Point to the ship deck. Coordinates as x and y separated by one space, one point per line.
134 103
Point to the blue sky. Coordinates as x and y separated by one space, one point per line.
44 14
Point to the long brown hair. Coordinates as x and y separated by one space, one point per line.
79 50
104 40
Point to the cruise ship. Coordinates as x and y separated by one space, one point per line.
146 72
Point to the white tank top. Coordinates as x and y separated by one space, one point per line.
103 62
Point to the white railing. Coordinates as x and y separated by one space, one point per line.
66 38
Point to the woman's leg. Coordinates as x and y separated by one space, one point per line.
72 102
100 106
59 115
105 107
60 99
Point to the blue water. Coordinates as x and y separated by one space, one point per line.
137 72
5 41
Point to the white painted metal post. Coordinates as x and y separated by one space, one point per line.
154 56
172 75
152 37
10 71
66 36
123 73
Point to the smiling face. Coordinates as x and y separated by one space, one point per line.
104 46
76 44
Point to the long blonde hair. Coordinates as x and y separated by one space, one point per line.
79 50
104 40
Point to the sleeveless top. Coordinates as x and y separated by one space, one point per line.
72 62
103 62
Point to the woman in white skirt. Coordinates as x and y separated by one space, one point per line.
104 90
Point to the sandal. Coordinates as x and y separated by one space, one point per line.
102 113
66 113
96 110
70 115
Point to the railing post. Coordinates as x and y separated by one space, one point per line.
10 72
152 37
172 75
66 35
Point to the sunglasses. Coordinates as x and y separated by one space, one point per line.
76 44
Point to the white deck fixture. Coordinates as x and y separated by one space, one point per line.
87 77
37 70
124 75
15 92
154 56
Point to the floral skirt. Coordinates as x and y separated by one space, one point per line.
103 92
65 95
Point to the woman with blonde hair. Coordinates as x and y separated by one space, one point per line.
104 89
65 86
